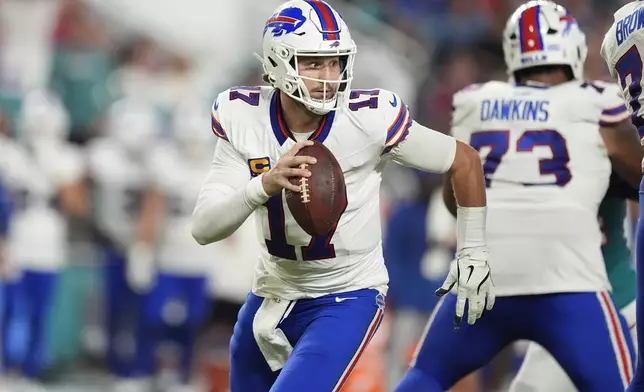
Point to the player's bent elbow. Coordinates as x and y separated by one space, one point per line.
201 240
199 236
465 159
204 232
201 232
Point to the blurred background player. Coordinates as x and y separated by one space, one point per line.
176 305
547 170
121 187
618 259
621 49
45 176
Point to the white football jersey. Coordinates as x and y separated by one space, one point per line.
546 170
120 178
294 264
623 49
38 230
179 177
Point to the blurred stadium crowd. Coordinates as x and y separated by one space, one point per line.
144 74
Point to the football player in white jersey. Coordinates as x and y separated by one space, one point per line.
118 171
177 303
317 302
547 139
45 176
622 50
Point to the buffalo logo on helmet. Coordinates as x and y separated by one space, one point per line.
286 21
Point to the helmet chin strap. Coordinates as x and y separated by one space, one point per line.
309 103
318 111
322 111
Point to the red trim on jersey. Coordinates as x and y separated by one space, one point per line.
280 118
217 129
319 130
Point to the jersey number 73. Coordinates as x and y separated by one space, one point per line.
498 143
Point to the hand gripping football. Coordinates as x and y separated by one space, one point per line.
323 197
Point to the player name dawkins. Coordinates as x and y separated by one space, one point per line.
514 109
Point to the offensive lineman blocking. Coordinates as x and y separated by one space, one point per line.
321 299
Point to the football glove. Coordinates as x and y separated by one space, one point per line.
471 274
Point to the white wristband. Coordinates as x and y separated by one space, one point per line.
255 194
470 227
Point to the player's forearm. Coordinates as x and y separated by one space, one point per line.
467 177
448 195
469 191
221 210
428 150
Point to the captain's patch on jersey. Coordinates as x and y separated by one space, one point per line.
258 166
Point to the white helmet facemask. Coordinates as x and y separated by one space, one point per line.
300 29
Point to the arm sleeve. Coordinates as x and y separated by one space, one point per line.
425 149
227 197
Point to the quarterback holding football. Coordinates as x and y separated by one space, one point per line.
305 154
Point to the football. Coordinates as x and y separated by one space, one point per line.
323 197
